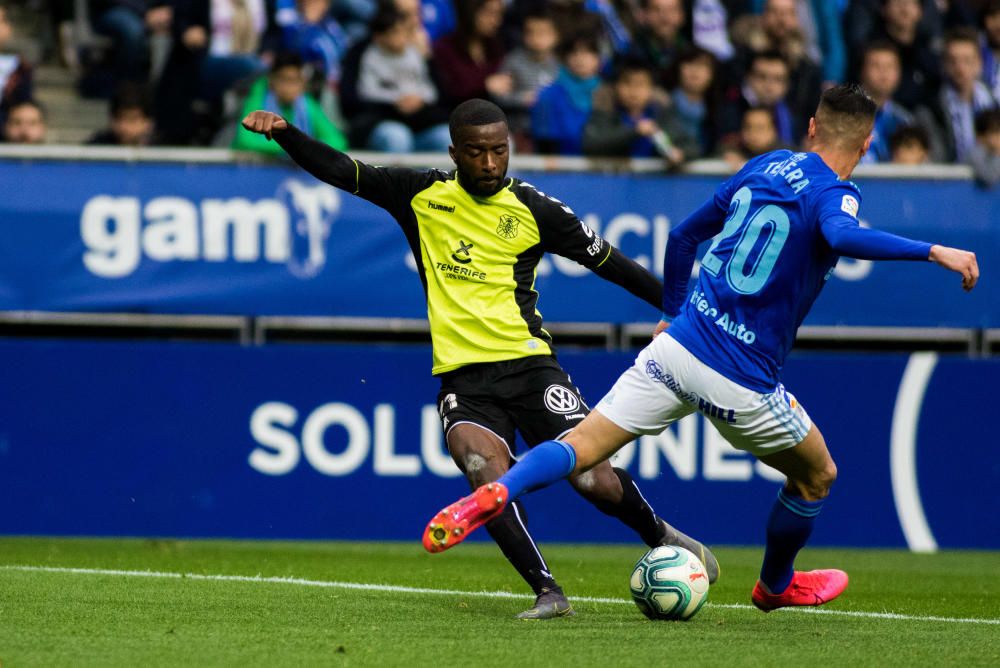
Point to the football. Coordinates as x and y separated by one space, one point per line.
669 582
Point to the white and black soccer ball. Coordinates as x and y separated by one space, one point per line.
669 582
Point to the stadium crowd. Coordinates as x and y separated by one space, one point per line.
679 79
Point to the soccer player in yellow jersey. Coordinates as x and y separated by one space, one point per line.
477 237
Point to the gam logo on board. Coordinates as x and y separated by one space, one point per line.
290 228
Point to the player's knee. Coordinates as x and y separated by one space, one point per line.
480 469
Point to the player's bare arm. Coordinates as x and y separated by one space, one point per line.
959 261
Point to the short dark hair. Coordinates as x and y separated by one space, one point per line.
130 96
909 134
286 59
992 7
30 102
987 122
474 112
692 53
965 34
539 14
386 18
845 115
585 40
876 46
631 65
767 55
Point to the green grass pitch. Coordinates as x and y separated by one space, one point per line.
93 617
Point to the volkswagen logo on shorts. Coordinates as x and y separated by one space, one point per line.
562 400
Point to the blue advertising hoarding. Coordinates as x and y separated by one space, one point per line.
342 442
269 240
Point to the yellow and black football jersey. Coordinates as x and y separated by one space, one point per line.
477 256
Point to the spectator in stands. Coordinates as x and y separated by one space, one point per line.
563 108
766 86
880 72
238 38
910 145
632 118
283 92
467 62
695 97
128 23
920 75
985 155
758 135
401 100
778 30
307 28
660 36
531 66
15 73
864 20
25 123
131 122
951 116
215 45
991 46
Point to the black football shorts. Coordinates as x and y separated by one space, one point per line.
532 395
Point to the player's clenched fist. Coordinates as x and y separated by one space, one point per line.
264 123
959 261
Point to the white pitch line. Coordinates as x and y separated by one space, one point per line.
397 589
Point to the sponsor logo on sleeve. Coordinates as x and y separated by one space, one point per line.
849 205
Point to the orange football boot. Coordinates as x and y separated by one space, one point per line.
451 526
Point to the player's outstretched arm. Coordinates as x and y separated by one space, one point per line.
959 261
847 238
322 161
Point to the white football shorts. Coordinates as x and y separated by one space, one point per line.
667 383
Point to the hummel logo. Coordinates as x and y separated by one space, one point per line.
463 249
440 207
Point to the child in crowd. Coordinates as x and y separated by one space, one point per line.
563 108
910 145
283 92
395 84
131 122
531 67
985 155
758 135
694 97
634 119
25 123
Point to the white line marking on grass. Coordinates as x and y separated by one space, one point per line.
397 589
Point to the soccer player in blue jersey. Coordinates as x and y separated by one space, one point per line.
779 227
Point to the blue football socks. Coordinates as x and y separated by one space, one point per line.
543 465
788 529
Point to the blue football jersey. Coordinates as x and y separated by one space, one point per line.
765 268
